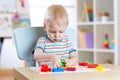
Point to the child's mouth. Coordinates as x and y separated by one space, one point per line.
55 40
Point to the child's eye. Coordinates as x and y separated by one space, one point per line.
61 31
52 31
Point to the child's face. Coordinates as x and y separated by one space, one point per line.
55 31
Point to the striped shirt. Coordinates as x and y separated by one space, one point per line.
63 48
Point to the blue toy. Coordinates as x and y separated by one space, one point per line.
57 69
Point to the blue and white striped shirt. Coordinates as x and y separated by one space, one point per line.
63 48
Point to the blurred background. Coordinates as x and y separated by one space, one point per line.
93 29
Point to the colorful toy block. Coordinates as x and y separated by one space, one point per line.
92 65
100 68
112 44
88 65
83 64
71 68
106 41
63 64
57 69
45 68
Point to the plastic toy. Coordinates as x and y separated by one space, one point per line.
100 68
71 68
45 68
57 69
90 13
83 64
88 65
92 65
103 13
106 42
63 63
112 44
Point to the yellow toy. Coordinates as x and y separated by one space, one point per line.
100 68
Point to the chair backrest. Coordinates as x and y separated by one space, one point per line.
25 40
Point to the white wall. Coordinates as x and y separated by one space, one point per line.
9 57
118 32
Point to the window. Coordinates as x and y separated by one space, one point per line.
37 10
38 7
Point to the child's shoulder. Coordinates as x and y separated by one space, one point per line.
66 37
42 38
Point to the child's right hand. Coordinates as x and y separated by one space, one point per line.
56 61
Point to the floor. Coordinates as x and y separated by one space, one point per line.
6 74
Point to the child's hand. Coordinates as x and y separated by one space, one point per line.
69 62
56 62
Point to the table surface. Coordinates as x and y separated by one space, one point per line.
28 74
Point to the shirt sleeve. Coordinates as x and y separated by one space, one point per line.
70 47
40 44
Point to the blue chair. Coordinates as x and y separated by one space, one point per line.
25 40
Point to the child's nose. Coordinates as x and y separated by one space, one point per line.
56 35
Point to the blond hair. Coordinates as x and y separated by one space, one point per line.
56 13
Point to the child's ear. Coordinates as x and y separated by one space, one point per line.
44 27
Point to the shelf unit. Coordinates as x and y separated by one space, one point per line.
98 27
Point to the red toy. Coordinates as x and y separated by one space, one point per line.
92 65
45 68
88 65
70 68
83 64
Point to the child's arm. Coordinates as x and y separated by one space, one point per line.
73 60
39 56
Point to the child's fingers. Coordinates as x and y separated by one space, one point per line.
69 63
59 64
66 60
56 65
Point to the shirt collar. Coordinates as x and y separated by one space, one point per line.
51 40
